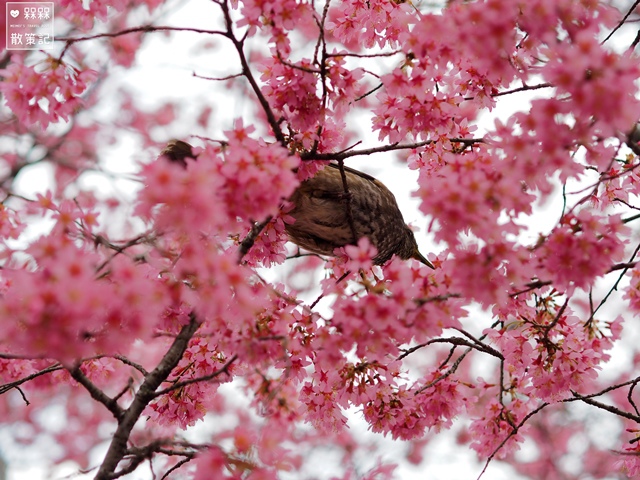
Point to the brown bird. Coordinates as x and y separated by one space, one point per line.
329 216
177 150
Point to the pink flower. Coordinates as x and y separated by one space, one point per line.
48 95
583 247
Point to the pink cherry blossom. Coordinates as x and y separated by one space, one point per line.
45 94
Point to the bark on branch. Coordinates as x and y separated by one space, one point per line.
144 395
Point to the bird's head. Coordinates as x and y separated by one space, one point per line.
409 249
177 151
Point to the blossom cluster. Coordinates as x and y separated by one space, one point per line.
583 247
47 94
184 405
245 180
294 92
58 308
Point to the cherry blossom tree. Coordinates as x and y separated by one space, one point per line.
140 314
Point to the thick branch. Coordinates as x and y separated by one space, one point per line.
145 394
248 241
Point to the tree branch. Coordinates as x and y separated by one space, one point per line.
146 393
248 241
246 71
9 386
383 148
97 394
511 434
603 406
621 22
141 29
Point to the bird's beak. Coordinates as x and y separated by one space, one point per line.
418 256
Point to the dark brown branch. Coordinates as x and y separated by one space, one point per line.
524 88
622 266
175 467
248 241
15 384
448 373
347 198
364 55
141 29
605 390
532 286
480 345
136 455
556 319
219 79
127 388
543 283
630 219
97 394
126 361
366 94
635 42
119 249
630 397
383 148
511 434
146 393
437 298
624 269
321 296
294 66
476 345
624 19
246 71
603 406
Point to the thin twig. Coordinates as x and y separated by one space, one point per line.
511 434
141 29
384 148
218 79
15 384
624 268
603 406
246 71
204 378
624 19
